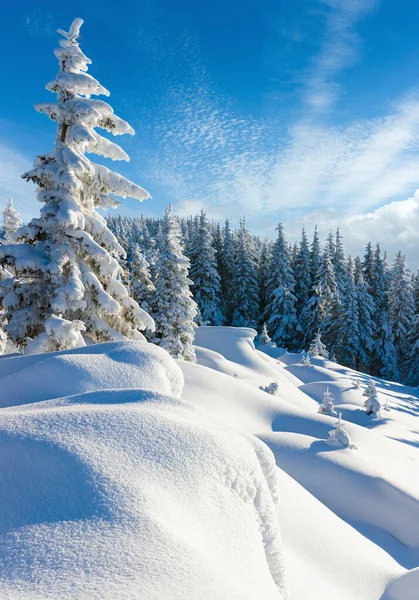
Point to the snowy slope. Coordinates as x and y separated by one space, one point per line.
128 493
375 489
127 474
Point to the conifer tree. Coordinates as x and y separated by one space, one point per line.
327 302
368 267
401 309
206 287
383 358
173 307
67 261
347 346
245 286
141 283
412 360
339 262
315 255
302 274
281 315
366 311
12 221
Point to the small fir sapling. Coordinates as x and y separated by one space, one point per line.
317 348
305 359
327 407
373 406
339 436
264 336
370 390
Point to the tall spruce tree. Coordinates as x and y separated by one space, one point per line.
245 285
173 307
303 283
315 255
383 358
348 341
67 261
227 270
401 310
366 311
281 314
142 285
206 287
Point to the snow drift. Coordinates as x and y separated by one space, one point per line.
109 492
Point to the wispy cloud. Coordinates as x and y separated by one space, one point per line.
340 48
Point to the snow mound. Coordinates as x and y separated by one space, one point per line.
405 587
121 493
110 366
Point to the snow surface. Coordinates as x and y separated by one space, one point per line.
128 474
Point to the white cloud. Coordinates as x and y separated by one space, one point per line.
395 226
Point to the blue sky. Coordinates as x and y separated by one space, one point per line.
304 111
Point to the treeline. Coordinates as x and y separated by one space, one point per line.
366 310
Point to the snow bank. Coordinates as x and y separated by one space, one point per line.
110 366
120 493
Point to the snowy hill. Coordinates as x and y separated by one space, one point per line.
128 474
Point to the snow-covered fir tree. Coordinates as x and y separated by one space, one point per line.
383 358
315 255
401 309
245 285
366 310
173 307
339 262
263 337
281 314
206 287
227 269
369 267
347 344
339 436
67 261
11 220
303 282
317 348
327 407
412 359
142 285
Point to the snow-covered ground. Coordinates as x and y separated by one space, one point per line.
126 474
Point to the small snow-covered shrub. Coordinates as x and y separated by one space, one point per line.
264 336
327 407
357 385
373 406
272 388
369 391
317 348
372 403
305 359
339 436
